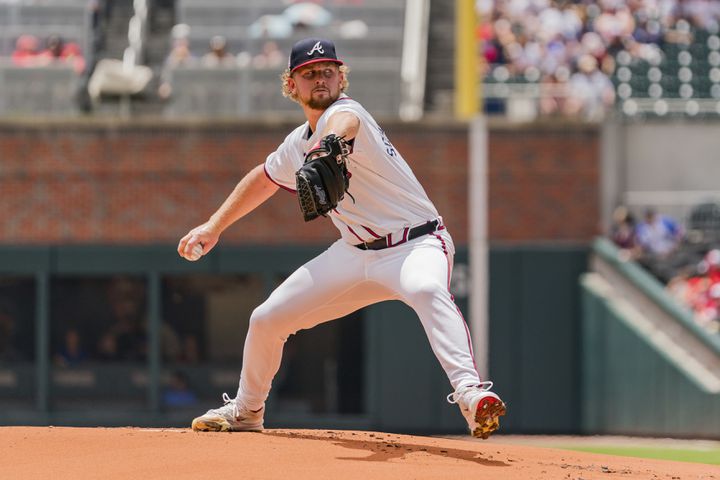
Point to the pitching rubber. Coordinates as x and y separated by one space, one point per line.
488 413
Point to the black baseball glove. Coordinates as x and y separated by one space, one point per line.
323 179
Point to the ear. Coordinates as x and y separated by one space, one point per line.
291 85
342 80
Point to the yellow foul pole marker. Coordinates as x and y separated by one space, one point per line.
466 73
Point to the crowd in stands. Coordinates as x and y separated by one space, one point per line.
699 288
258 47
570 46
300 17
216 56
659 243
31 52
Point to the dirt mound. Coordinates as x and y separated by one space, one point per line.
123 453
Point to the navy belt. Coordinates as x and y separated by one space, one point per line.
411 234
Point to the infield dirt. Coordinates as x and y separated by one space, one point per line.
132 453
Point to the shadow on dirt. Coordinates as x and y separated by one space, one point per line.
383 449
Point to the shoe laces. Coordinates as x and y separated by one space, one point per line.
227 401
455 396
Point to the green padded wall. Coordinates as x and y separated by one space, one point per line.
534 328
534 333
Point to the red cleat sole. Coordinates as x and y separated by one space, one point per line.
488 413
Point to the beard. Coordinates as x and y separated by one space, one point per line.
322 103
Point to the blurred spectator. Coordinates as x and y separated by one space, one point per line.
710 265
623 232
270 57
647 29
180 31
307 15
26 51
179 56
555 88
177 348
107 348
54 49
614 22
58 51
125 339
178 392
700 291
658 235
218 56
699 13
591 91
271 27
72 351
73 55
679 33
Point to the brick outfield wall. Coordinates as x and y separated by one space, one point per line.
149 182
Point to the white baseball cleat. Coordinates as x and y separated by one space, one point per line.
231 417
481 408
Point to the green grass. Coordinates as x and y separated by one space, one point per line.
711 457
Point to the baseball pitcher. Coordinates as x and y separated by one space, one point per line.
393 245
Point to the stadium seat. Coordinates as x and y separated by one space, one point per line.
221 92
704 222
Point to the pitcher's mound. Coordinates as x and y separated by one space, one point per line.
124 453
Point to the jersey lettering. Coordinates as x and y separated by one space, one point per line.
388 146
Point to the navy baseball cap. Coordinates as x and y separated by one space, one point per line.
312 50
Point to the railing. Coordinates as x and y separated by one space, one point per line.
44 91
247 92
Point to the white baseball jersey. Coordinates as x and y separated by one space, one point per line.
343 279
385 201
387 195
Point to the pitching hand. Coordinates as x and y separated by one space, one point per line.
202 235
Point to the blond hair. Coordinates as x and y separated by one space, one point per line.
285 76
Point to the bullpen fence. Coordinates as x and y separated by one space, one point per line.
648 368
137 336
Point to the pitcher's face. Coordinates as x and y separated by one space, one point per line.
317 85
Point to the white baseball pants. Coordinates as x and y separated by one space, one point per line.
344 279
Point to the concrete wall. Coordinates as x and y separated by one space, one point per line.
670 165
